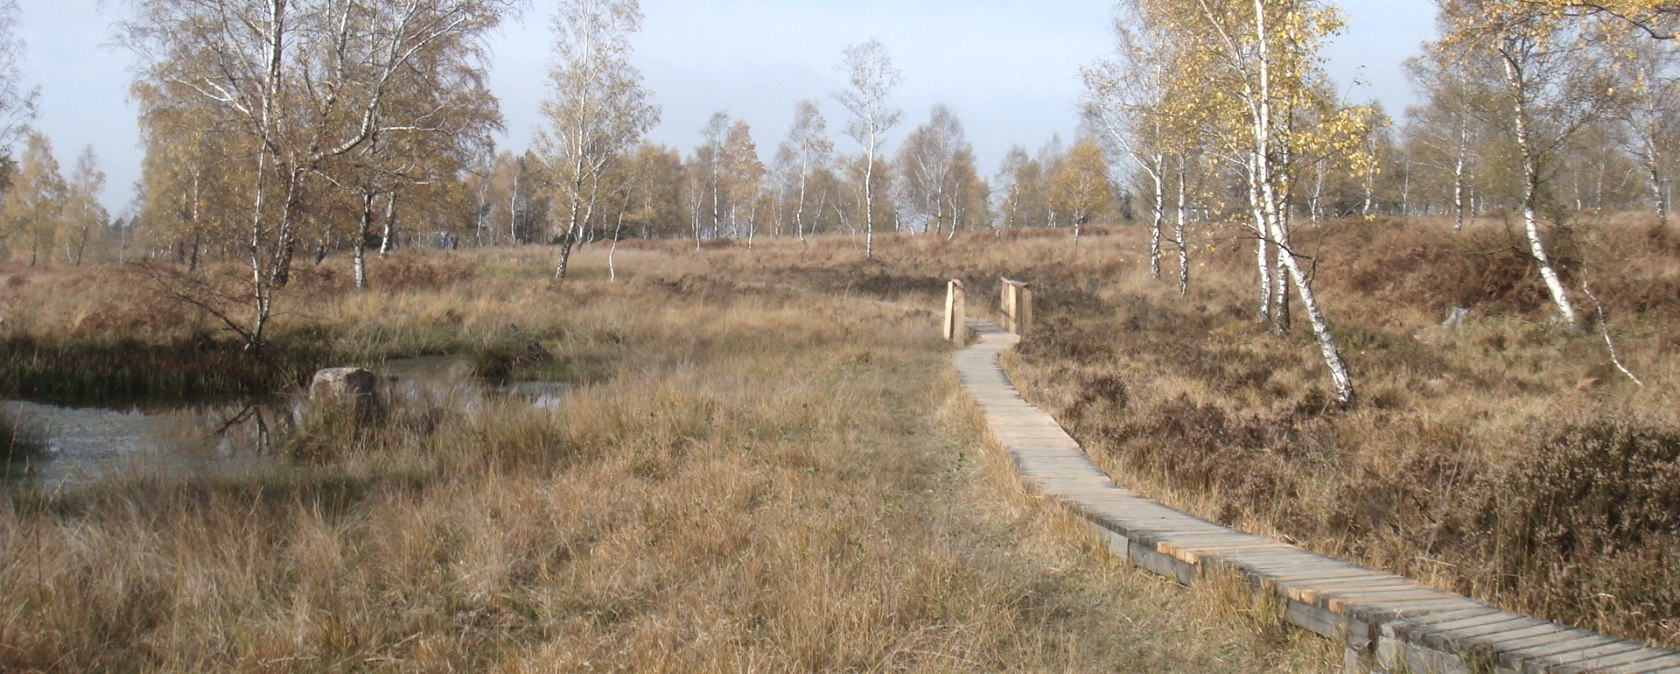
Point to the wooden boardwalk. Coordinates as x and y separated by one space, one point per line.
1388 623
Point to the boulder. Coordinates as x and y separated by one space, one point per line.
353 388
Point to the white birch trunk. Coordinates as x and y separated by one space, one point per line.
358 243
390 229
1272 201
1531 189
1178 235
1157 207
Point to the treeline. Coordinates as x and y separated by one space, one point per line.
280 131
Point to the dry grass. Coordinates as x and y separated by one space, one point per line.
749 480
1507 459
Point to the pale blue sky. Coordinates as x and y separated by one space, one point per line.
1010 69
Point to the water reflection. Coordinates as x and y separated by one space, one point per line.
85 444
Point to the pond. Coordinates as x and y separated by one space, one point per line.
87 443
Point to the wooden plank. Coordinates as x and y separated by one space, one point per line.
1421 622
1285 565
1562 640
1454 637
1498 641
1373 579
1310 592
1667 664
1315 620
1342 603
1620 663
1397 610
1581 660
1539 656
1196 553
1386 609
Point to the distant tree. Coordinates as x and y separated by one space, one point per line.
743 179
1080 187
805 151
967 194
1127 100
34 205
711 188
84 217
599 109
925 163
656 186
1646 110
452 114
871 78
1021 185
1455 112
17 102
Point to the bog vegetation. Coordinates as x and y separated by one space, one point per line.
320 187
746 478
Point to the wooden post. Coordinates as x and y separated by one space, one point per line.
956 327
1017 307
1023 311
1007 306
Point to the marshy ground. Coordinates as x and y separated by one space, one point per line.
764 468
744 478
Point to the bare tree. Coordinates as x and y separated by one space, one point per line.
83 213
870 78
599 109
805 150
1646 110
925 163
1126 99
17 102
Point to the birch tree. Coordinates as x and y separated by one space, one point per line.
1021 186
805 150
871 78
1451 118
297 84
1647 110
1080 187
84 216
925 164
1549 93
1126 98
17 101
34 206
1254 70
968 195
598 111
743 179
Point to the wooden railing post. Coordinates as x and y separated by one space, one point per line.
1023 310
956 327
1017 307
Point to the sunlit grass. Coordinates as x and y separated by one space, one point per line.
744 479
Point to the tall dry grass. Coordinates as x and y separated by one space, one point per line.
750 479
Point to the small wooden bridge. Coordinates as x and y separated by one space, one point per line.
1387 622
